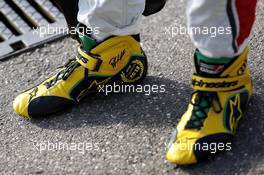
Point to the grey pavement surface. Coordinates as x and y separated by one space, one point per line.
125 133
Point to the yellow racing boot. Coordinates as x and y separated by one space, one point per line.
222 90
118 59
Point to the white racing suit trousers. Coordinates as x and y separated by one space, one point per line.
111 17
218 28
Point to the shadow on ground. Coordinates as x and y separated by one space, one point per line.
164 109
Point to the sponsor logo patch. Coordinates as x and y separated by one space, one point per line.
234 110
33 94
133 72
211 68
93 86
205 84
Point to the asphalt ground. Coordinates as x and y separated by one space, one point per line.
125 133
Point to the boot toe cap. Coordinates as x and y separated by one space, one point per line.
181 153
20 105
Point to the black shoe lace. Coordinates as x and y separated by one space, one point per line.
201 105
64 73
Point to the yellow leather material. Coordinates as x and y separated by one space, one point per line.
219 84
122 47
86 60
184 147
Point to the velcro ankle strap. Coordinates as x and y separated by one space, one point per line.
92 63
219 84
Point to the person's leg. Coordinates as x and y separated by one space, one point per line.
232 19
111 17
87 8
110 55
221 81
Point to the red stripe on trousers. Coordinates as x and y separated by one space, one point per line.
246 10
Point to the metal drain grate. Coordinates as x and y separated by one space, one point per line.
25 24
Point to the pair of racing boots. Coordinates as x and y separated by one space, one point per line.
222 90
